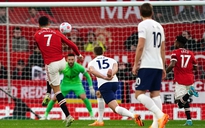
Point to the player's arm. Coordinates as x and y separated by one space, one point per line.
114 69
171 66
70 44
139 50
163 54
138 54
88 78
85 74
140 47
90 83
141 43
95 72
92 70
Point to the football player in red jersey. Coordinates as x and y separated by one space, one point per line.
49 42
183 62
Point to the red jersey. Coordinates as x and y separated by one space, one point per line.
183 70
49 42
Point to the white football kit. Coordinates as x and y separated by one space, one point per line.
102 64
153 32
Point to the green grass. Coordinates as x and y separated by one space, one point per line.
84 124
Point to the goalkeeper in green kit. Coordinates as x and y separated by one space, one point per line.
72 82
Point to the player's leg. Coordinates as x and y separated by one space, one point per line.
157 100
47 97
150 79
52 103
101 108
49 107
107 91
181 96
188 115
186 92
54 80
80 92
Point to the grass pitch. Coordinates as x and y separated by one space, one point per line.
84 124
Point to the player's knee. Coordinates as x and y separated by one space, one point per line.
179 104
54 98
98 95
83 96
55 88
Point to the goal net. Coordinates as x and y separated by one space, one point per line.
113 27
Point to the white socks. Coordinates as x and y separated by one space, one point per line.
150 105
101 108
157 100
124 112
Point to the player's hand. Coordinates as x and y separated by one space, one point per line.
92 91
164 74
135 69
80 57
109 73
107 77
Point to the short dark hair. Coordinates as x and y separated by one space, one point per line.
98 50
182 40
43 21
146 10
16 28
71 54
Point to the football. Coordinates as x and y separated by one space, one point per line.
109 73
65 27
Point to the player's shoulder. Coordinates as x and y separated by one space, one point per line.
37 32
111 59
175 50
91 63
79 65
143 23
190 51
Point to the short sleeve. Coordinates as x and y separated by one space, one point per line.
141 31
114 61
174 56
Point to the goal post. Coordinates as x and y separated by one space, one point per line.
112 25
103 3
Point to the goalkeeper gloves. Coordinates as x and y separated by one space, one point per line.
92 91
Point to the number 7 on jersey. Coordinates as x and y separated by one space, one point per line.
49 39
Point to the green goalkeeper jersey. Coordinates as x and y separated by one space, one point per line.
71 74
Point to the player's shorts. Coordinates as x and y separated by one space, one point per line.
52 71
180 90
66 88
149 79
108 90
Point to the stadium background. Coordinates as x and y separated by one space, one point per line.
32 92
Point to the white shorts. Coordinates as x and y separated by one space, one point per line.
181 90
52 71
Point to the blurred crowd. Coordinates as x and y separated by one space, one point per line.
98 37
